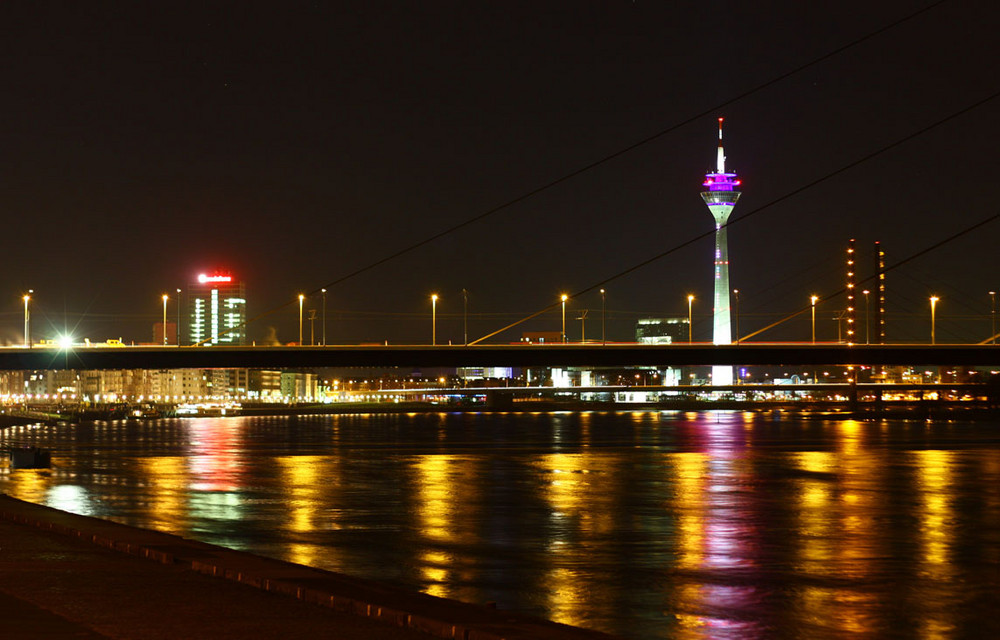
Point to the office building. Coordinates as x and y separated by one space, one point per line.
217 310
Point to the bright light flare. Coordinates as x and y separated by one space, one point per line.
65 342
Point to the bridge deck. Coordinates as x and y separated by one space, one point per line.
532 355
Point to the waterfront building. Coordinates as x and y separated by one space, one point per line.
661 330
721 195
217 310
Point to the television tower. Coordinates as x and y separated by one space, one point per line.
721 196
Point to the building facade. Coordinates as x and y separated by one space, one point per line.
217 311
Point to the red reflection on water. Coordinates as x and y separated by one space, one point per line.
214 463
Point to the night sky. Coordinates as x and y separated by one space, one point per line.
293 144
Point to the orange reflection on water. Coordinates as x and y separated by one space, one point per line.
934 471
30 485
691 468
934 478
580 489
838 538
168 476
448 511
303 480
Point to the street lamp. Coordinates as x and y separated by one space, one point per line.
813 299
324 316
867 334
993 315
564 298
736 312
690 332
301 299
465 316
27 317
604 314
934 300
165 298
434 303
178 327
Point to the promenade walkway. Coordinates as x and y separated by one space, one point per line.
69 576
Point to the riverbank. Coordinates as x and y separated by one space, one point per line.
64 565
866 410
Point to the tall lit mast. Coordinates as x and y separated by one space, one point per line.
721 196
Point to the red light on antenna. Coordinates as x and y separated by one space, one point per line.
721 119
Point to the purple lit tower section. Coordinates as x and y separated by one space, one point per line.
721 195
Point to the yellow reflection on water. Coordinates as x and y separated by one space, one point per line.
448 513
815 512
435 492
30 485
849 434
168 477
934 475
303 479
691 471
580 489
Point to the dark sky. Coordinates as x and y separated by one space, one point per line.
294 143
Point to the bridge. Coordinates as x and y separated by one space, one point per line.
516 355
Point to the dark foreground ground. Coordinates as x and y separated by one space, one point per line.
69 576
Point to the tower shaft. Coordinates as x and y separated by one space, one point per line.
721 196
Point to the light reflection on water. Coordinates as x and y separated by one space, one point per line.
647 525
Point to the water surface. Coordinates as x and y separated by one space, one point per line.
645 524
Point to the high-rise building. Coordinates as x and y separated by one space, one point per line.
721 196
217 310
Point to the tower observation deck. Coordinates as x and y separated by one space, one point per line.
721 195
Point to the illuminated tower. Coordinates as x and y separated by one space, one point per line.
217 310
721 197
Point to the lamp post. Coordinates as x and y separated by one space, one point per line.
993 316
324 316
27 317
178 327
604 315
165 298
465 316
812 300
867 326
434 303
934 300
736 310
564 298
301 299
690 332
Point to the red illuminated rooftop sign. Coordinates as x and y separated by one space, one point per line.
203 278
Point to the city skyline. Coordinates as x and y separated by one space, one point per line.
294 158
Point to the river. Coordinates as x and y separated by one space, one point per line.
641 524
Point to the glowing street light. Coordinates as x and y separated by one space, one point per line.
434 305
564 297
867 334
301 299
993 315
690 331
165 298
934 300
27 317
812 300
465 316
178 327
736 312
604 313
